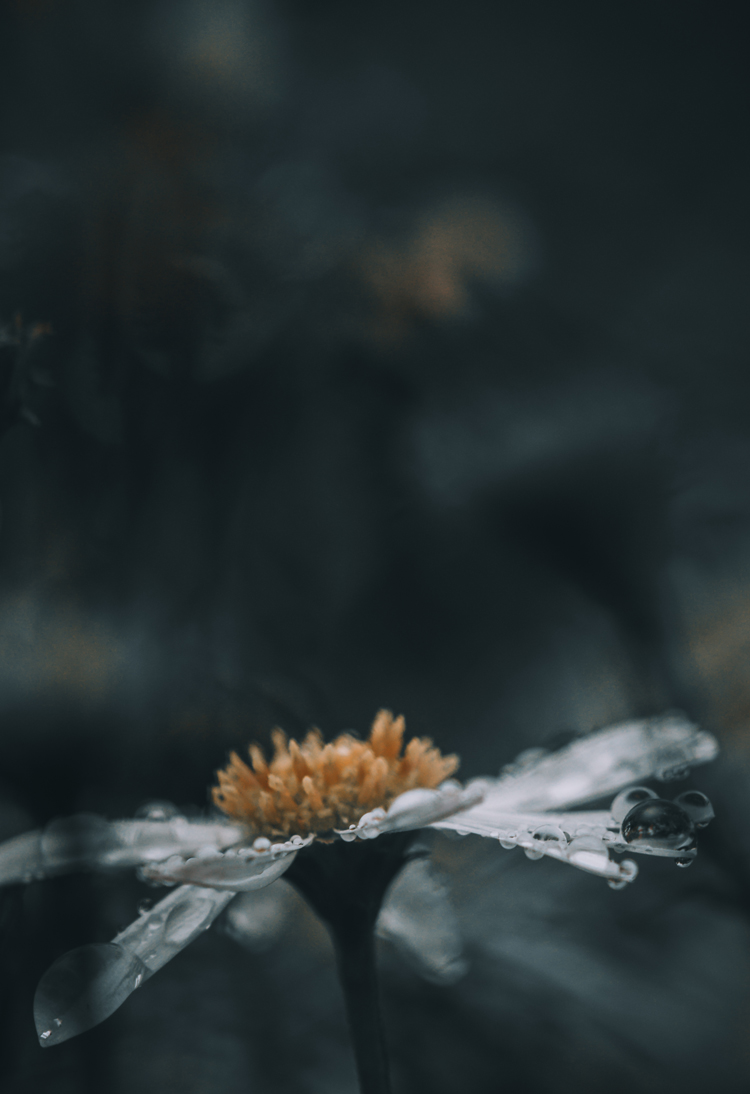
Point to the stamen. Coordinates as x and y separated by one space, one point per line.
311 787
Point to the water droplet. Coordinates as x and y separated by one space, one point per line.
626 799
261 844
157 811
144 906
347 837
509 843
659 823
547 833
83 988
529 756
588 853
617 883
684 862
186 918
81 839
697 806
532 854
673 774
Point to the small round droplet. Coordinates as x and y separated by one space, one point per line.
157 811
531 853
697 806
684 862
658 823
550 833
673 774
626 799
529 756
144 906
508 844
617 883
261 844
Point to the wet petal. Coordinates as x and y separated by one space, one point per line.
417 809
237 871
85 986
418 920
255 920
604 762
86 841
583 839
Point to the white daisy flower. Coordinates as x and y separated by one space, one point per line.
338 818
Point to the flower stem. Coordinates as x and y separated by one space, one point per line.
345 883
355 958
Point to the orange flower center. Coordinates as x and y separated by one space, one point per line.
314 787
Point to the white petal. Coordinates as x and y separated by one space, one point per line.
417 918
416 809
235 871
21 859
582 839
255 920
603 763
86 985
86 841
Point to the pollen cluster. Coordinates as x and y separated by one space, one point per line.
313 787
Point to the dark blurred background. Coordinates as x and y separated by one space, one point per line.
358 355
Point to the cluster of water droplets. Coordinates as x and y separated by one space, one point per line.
639 820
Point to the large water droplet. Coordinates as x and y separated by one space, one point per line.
659 823
697 806
626 799
77 840
509 844
83 988
532 854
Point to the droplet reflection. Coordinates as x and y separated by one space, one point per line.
659 823
626 799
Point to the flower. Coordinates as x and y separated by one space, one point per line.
348 791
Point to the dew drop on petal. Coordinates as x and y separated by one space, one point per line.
186 918
588 853
347 837
83 988
547 833
157 811
659 823
532 854
673 774
509 843
625 801
261 844
697 806
144 906
684 862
